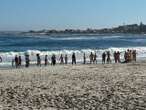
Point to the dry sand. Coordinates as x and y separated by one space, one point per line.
80 87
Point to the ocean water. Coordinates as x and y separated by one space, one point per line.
14 44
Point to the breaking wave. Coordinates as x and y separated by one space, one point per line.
8 56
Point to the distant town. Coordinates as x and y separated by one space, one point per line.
122 29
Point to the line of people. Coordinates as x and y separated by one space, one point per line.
129 56
17 61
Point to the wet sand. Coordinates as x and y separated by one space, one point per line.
80 87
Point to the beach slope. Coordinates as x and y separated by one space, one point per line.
80 87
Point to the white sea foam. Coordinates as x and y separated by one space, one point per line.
8 56
83 38
75 37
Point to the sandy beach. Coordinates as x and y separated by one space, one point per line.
79 87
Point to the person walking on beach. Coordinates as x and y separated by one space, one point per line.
16 61
46 60
73 58
27 61
38 59
108 57
91 58
84 58
103 57
95 58
53 60
61 59
66 59
20 61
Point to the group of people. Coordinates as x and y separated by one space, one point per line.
106 57
129 56
62 59
93 58
17 61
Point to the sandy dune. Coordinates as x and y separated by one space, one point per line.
80 87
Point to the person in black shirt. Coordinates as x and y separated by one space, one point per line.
16 61
84 59
27 61
73 58
108 57
20 60
1 59
46 60
61 59
103 58
53 60
38 60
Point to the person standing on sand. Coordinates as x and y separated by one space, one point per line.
84 58
134 55
66 59
126 57
95 58
108 57
61 59
1 59
115 56
16 61
103 58
27 61
131 56
46 60
91 58
20 60
53 60
118 57
13 61
38 59
73 58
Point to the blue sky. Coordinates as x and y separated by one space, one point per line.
61 14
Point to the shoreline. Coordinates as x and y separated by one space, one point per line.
99 62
